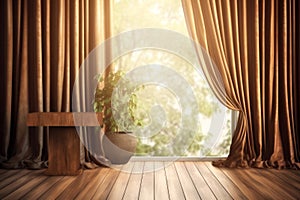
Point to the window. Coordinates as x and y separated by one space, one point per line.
212 136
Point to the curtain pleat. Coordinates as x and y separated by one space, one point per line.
43 45
255 48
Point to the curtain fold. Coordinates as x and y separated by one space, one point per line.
255 48
43 45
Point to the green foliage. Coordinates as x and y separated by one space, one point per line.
121 106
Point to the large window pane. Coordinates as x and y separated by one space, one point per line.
167 14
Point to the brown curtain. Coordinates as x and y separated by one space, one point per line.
43 43
255 47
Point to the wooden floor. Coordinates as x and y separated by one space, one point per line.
178 180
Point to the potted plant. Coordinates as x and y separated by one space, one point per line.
117 101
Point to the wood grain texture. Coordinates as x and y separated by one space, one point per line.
105 187
135 180
121 183
91 187
189 189
266 184
291 181
231 188
64 151
18 183
26 187
243 182
147 184
293 187
161 187
10 176
58 188
214 184
199 182
43 187
174 185
77 186
64 119
64 143
132 192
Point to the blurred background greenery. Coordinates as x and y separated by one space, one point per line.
168 14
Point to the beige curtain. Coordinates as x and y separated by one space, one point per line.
43 43
255 47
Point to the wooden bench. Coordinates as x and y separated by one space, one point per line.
63 140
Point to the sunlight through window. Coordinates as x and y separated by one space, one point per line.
128 15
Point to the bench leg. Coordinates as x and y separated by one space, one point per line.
63 151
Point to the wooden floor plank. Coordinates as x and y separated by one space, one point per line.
133 188
37 191
120 185
229 186
189 189
160 179
91 187
12 172
259 187
16 184
292 189
75 187
282 174
267 186
179 180
212 182
105 187
175 189
2 171
27 187
238 177
200 184
147 185
58 187
12 176
292 175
